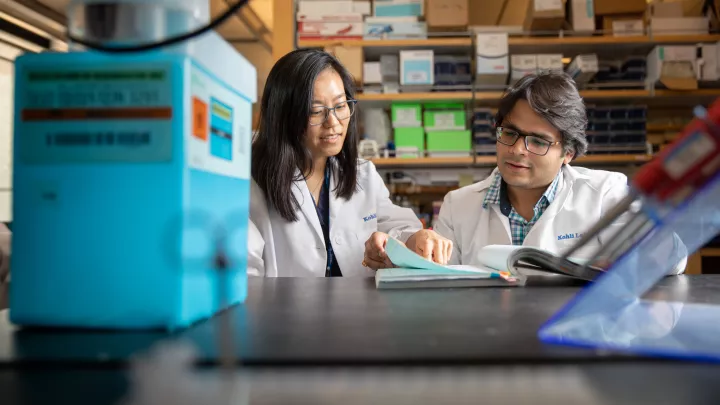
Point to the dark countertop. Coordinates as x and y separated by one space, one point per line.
347 321
321 340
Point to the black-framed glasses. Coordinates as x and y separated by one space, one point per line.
533 144
342 111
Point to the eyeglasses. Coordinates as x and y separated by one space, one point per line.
533 144
342 111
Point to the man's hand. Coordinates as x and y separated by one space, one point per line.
375 256
430 245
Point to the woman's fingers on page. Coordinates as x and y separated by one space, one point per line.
374 263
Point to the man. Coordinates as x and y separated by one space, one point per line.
534 197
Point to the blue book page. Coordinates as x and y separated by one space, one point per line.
407 260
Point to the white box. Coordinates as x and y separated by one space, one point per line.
372 73
332 18
550 61
329 30
493 63
583 68
582 15
417 67
674 66
710 68
628 28
362 7
521 66
679 26
325 7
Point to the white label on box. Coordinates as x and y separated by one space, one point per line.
444 120
627 28
406 116
546 5
492 45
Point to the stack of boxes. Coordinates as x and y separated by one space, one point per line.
526 64
417 71
684 67
492 61
396 19
484 131
622 73
443 135
409 134
445 129
617 130
331 19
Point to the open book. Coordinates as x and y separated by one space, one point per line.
501 265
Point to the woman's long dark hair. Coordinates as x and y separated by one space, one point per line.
279 149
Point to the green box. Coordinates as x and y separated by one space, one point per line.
406 115
449 141
444 117
410 137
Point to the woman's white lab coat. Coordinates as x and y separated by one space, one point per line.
278 248
582 198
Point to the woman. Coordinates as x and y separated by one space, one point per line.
316 210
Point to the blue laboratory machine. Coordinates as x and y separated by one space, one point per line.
131 172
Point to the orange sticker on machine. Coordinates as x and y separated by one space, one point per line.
200 119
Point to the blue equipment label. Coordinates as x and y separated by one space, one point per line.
220 136
118 113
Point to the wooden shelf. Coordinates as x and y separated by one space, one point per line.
429 96
425 161
612 40
496 95
387 43
488 161
512 41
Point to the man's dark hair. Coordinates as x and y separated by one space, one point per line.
555 97
279 150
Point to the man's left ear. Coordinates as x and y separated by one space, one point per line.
568 158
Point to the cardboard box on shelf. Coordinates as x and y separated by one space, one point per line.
417 67
680 26
330 30
674 67
610 7
398 8
372 73
545 15
521 66
665 9
582 16
550 61
485 12
583 68
623 24
515 12
447 15
394 28
352 58
492 61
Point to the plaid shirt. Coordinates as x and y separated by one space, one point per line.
519 227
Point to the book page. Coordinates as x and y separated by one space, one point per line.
405 258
